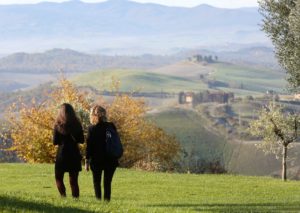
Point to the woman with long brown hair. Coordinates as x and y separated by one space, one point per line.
67 135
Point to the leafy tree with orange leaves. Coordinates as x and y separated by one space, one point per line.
31 125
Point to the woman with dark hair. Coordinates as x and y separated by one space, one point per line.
67 135
96 156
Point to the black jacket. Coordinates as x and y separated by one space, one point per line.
68 157
95 149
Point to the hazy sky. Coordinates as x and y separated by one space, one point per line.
184 3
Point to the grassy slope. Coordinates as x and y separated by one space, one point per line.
188 128
184 76
132 80
256 80
185 69
31 188
244 157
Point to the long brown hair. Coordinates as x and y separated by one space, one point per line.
67 122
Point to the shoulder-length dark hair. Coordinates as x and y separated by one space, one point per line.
67 122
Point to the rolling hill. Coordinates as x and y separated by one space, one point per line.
203 141
245 78
185 76
66 60
184 69
137 80
148 73
240 79
189 129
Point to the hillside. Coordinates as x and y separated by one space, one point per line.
67 60
249 79
240 79
232 120
189 76
137 80
189 129
259 56
138 191
184 69
205 140
252 55
123 26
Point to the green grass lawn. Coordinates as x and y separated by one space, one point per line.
31 188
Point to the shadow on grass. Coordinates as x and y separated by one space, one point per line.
250 207
16 205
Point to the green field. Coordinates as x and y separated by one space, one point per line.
189 129
244 157
252 79
186 77
31 188
137 80
200 137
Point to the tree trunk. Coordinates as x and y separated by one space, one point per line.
284 169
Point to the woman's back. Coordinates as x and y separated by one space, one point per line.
96 145
96 156
67 135
68 144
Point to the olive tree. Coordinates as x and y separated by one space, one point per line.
278 129
281 21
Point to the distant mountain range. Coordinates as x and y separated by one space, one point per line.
121 26
67 60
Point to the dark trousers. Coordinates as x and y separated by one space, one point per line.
73 178
108 176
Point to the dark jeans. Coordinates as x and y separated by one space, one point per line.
73 177
108 175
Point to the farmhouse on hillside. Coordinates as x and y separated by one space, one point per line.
205 97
